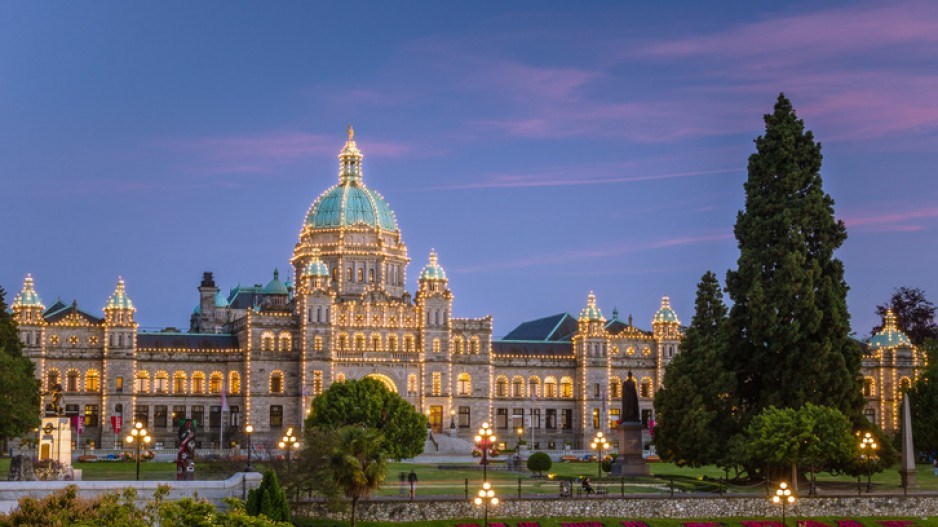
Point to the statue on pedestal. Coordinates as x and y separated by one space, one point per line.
185 459
629 434
630 400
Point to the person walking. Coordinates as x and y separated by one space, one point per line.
412 479
934 465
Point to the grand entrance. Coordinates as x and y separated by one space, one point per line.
436 418
385 380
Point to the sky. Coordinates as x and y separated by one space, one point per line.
544 149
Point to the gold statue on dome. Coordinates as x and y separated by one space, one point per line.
351 132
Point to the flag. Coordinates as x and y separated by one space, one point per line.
224 401
117 423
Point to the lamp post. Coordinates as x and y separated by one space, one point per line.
289 443
520 433
452 419
485 439
868 449
784 497
485 498
248 430
599 444
138 437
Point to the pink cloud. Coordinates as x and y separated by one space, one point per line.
891 222
563 177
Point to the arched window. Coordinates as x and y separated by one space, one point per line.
359 342
92 381
276 381
646 390
371 275
52 378
464 384
216 382
457 345
198 382
348 274
408 343
517 386
501 386
566 387
286 342
317 343
411 384
392 343
615 387
335 274
376 342
343 342
534 387
161 382
267 341
550 387
234 382
142 382
869 387
436 345
340 377
361 275
474 345
179 382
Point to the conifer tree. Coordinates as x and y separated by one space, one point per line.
694 406
19 388
788 328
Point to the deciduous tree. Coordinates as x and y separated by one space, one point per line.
915 313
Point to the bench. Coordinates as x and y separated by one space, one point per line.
569 459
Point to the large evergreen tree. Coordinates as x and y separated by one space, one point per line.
19 388
694 407
788 328
915 313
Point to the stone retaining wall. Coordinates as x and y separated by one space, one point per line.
632 508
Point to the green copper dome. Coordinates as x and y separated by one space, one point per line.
28 297
890 336
119 299
433 270
316 267
591 311
275 286
665 313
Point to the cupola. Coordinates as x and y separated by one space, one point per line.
433 270
890 336
27 306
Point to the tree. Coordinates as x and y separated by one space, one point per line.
915 313
368 403
694 407
923 403
788 327
269 499
19 388
358 463
539 462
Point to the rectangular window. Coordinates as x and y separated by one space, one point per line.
551 419
501 418
536 418
567 419
613 417
235 416
179 413
198 415
437 383
142 415
317 383
463 417
596 389
159 416
646 416
119 384
71 409
276 416
595 418
517 418
91 416
214 417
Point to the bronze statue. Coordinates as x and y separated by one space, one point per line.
630 401
57 407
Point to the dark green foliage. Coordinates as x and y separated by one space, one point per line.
539 462
915 313
923 403
694 407
357 463
788 327
269 499
368 403
19 388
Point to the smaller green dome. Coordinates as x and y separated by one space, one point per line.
119 299
220 300
197 310
316 267
275 286
665 314
890 336
591 311
28 297
433 270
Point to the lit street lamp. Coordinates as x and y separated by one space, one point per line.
868 449
485 439
452 419
485 498
248 430
289 443
784 497
138 437
520 433
599 444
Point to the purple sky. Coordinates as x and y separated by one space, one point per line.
545 149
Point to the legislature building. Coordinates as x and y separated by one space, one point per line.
259 355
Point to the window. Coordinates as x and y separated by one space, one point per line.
71 409
566 387
371 275
457 346
392 343
317 343
534 387
536 418
161 384
615 387
905 384
159 416
92 381
286 342
276 416
343 342
614 414
870 415
179 413
566 419
517 418
216 382
596 389
463 417
198 382
501 386
118 384
91 416
408 343
646 417
52 378
361 275
276 382
340 377
550 422
595 418
267 341
214 417
198 415
437 383
501 418
474 345
142 382
411 384
348 274
234 417
141 415
869 387
317 383
517 386
550 387
376 342
646 387
436 345
234 382
464 384
179 382
335 274
71 381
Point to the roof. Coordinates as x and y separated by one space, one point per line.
60 310
275 286
591 311
119 299
665 313
187 341
433 270
28 297
351 203
555 328
533 347
890 336
245 297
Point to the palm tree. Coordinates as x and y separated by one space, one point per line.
358 463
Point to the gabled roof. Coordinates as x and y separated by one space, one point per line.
187 341
533 348
59 311
556 328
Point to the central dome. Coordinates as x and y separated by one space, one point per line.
350 203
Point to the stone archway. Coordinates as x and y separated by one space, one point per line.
384 379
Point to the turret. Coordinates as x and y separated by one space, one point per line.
315 275
119 310
27 306
207 294
592 322
667 331
433 295
276 293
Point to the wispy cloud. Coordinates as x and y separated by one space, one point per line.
893 221
564 177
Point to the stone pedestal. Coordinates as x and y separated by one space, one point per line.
55 440
630 461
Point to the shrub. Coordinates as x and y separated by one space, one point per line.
539 462
269 499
